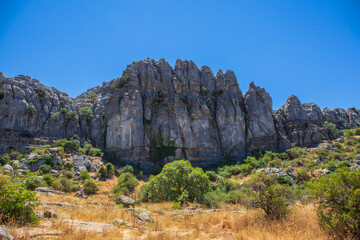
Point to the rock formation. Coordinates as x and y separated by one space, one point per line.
155 113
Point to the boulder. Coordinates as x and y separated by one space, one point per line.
80 194
144 217
8 169
82 163
125 200
277 172
324 171
357 157
4 233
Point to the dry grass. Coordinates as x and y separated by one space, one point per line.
301 224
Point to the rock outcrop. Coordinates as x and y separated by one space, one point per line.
154 114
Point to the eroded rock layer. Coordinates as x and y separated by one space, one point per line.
155 113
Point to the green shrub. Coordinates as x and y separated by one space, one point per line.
30 110
48 179
338 199
17 204
144 193
5 159
90 187
120 82
110 169
71 116
86 112
44 169
103 172
176 178
348 133
91 151
357 131
128 168
84 175
56 116
177 206
270 196
40 92
331 129
126 184
64 110
213 199
68 166
63 184
93 97
2 94
68 174
212 175
302 176
71 146
33 182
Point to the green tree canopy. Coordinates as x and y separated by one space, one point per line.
177 180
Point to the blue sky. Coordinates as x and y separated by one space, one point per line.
308 48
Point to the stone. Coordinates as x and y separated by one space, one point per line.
203 116
325 171
80 194
4 233
144 217
119 223
46 214
53 150
357 157
8 169
277 172
97 227
125 200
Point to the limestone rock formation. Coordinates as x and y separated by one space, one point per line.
154 114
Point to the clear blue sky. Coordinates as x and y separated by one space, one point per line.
309 48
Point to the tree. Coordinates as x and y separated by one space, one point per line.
86 112
331 129
17 204
126 184
71 116
179 180
270 196
71 146
103 172
338 199
90 187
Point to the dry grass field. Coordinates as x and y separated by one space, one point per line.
93 218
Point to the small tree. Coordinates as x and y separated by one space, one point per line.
126 184
86 112
71 116
338 199
90 187
84 175
179 181
71 146
17 204
270 196
103 172
56 116
331 129
30 110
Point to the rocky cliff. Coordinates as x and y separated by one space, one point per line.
154 113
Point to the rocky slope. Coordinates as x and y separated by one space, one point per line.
155 113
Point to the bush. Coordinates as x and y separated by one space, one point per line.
17 204
71 116
126 184
48 179
213 199
56 116
93 97
30 110
91 151
40 92
86 112
2 94
33 182
331 129
44 169
68 174
5 159
338 199
212 175
90 187
71 146
64 110
270 196
120 82
357 131
128 168
63 184
144 193
68 165
110 169
84 175
178 177
103 172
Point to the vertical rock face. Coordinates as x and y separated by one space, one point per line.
155 113
261 131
